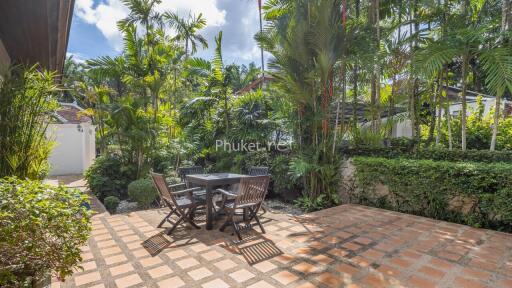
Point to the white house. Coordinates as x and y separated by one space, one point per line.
74 136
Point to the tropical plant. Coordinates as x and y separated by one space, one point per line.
27 106
42 230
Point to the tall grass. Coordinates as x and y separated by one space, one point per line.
27 103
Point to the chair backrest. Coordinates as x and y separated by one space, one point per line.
163 189
252 190
258 171
184 171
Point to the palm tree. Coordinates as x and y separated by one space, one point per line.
186 30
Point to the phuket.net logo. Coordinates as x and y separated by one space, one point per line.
243 146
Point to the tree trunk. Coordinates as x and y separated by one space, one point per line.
464 100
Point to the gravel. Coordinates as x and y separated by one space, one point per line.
279 206
126 206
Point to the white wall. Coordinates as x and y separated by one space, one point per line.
74 150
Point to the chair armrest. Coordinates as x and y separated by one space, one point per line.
187 191
225 192
175 186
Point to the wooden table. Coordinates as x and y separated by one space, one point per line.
209 181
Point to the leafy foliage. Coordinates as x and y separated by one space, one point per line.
143 192
42 229
27 103
463 192
108 176
111 203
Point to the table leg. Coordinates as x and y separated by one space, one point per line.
209 208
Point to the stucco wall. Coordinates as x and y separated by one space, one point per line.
74 150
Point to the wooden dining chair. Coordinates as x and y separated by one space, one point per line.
259 171
250 196
184 171
180 202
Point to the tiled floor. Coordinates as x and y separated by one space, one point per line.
346 246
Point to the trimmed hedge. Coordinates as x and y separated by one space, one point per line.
143 192
438 154
476 194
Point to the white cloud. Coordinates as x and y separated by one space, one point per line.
77 57
237 18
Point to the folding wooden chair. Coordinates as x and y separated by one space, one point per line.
250 196
259 171
184 206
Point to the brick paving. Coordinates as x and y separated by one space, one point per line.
346 246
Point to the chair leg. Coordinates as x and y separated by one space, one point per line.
259 223
229 218
166 217
235 228
189 218
176 224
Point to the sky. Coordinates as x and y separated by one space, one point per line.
94 31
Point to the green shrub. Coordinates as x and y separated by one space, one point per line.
438 154
27 101
41 230
107 176
471 193
143 192
111 203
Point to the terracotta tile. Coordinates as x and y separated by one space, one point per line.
174 282
264 266
478 274
363 240
284 258
134 245
401 262
416 281
175 254
430 272
199 247
467 283
200 273
306 285
132 238
125 233
305 268
261 284
88 266
87 278
217 283
337 252
187 263
241 276
212 255
225 264
107 243
372 254
150 261
374 280
449 256
102 237
87 256
322 259
115 259
439 263
388 270
505 282
121 269
329 279
351 246
160 271
285 277
128 281
346 269
140 253
110 251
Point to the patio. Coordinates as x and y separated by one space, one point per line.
345 246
